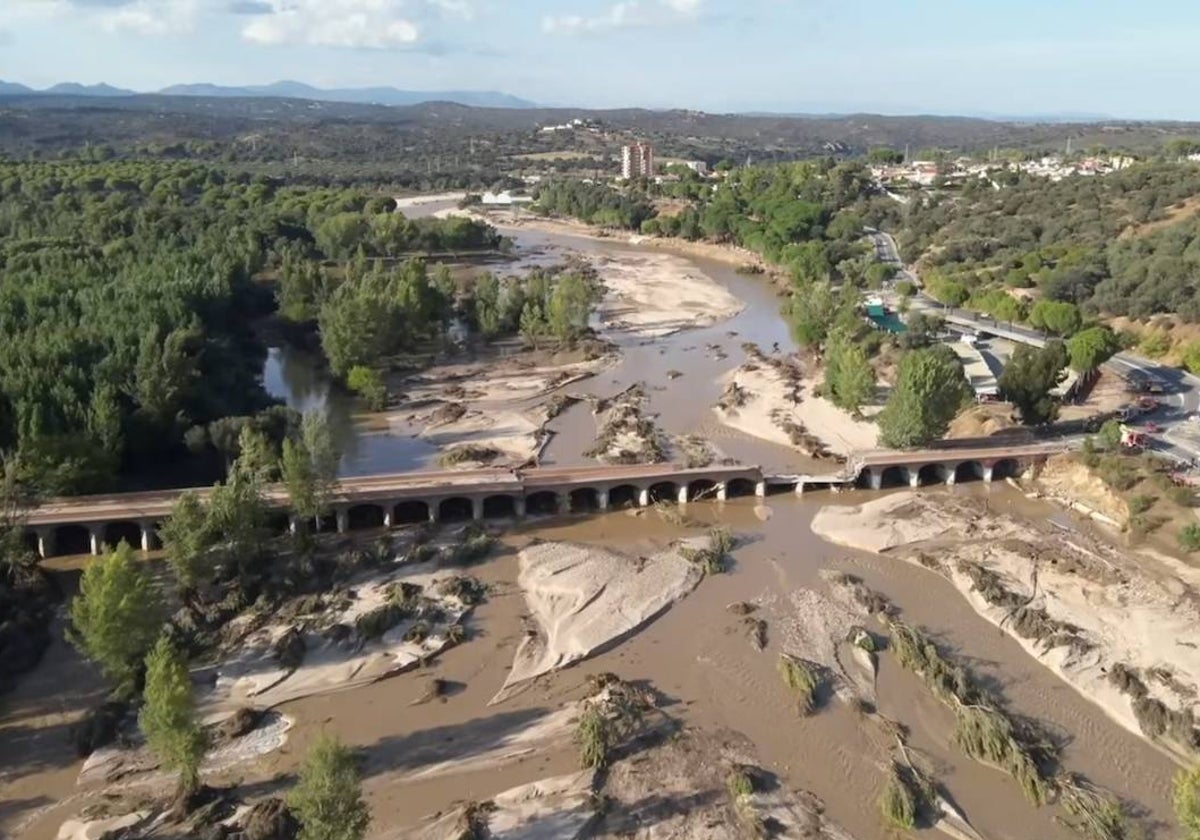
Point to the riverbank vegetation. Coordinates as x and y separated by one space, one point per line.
1055 253
128 291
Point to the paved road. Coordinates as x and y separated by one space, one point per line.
1178 441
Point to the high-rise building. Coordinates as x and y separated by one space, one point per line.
637 161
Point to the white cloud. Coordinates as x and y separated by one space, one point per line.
623 15
145 17
351 24
151 17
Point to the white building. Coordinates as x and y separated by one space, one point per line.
699 167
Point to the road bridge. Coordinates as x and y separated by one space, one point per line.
89 523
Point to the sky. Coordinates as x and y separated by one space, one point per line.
1014 58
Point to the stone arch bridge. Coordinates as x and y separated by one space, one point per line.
89 523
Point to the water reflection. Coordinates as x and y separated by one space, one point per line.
300 380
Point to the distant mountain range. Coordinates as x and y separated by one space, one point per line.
289 90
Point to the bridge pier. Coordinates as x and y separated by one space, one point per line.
45 542
683 494
477 508
875 479
519 506
602 499
799 488
722 492
989 471
389 514
149 536
760 489
96 539
644 497
950 475
914 478
342 518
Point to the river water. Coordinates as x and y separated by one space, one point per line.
683 404
695 654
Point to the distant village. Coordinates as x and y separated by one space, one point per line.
927 173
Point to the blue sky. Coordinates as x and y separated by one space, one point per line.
1015 57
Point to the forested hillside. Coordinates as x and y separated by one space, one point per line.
127 295
1124 244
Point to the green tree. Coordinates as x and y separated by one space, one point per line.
328 799
533 323
1191 356
310 465
237 515
811 312
1029 377
368 384
1091 348
187 538
116 616
569 308
1058 317
257 456
168 715
949 292
849 377
930 390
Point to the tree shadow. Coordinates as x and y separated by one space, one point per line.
456 742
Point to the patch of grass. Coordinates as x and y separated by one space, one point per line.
1189 538
468 590
739 783
1141 503
713 558
475 546
898 803
469 453
802 679
372 625
594 736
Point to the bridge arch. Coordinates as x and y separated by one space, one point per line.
410 512
664 491
584 500
623 496
702 490
542 502
1006 468
738 487
456 509
968 471
501 506
896 476
73 539
931 474
119 531
365 516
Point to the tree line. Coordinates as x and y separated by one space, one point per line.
128 295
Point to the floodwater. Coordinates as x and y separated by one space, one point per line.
710 678
696 655
683 404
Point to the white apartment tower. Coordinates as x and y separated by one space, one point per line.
637 161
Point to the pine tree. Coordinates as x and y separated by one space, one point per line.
168 715
116 616
328 798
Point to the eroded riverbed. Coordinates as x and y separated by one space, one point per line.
423 756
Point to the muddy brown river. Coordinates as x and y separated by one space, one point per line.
696 654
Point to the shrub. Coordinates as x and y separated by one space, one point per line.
1141 503
800 677
1189 537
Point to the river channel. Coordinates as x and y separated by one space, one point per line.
695 654
697 358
